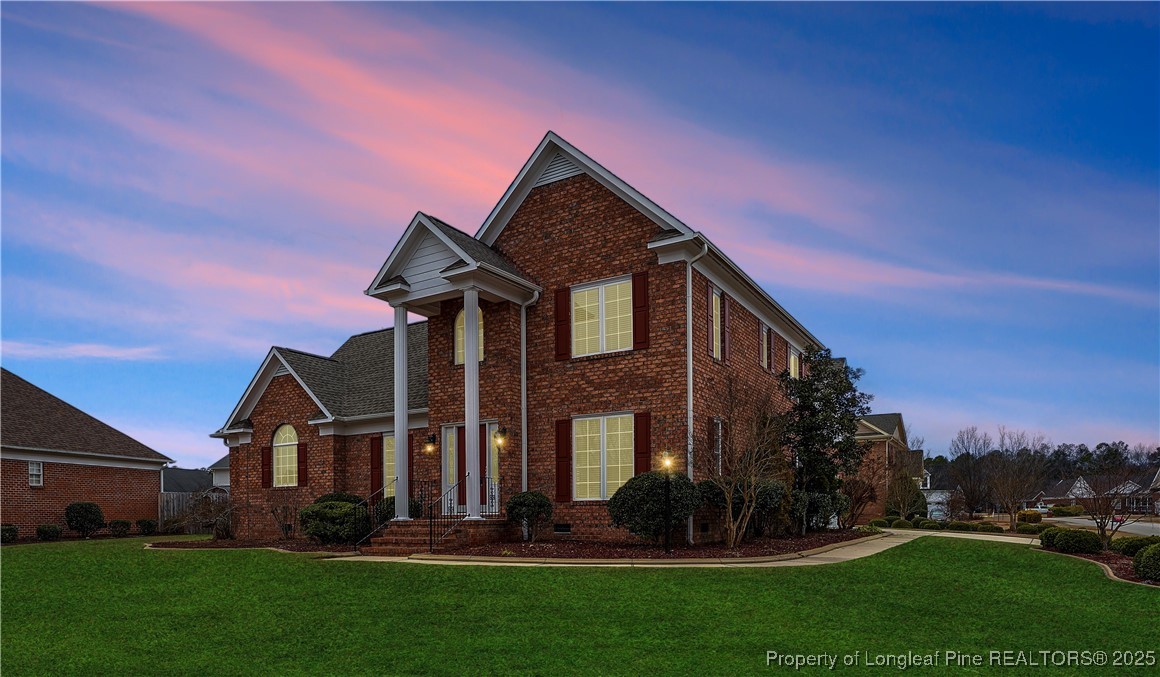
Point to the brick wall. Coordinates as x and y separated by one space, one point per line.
122 493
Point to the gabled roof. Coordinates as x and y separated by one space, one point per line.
181 480
34 419
222 463
887 423
478 251
355 381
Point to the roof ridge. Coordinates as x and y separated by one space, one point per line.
303 352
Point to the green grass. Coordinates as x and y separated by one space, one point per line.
111 607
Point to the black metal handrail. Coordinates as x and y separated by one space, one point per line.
376 512
489 496
443 513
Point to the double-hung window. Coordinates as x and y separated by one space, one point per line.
602 317
35 474
285 457
602 455
795 364
389 465
715 315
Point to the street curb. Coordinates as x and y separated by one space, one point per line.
1107 569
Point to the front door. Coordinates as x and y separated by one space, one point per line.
455 466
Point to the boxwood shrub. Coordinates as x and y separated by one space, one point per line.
931 525
48 532
531 510
639 505
9 533
147 527
1026 529
1078 541
990 528
339 497
1067 510
332 522
961 526
84 518
1146 563
119 527
1047 536
1030 516
1130 545
901 524
880 523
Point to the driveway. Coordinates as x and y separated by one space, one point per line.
1136 529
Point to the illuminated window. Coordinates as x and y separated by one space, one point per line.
602 455
460 324
716 328
602 318
389 465
286 457
794 364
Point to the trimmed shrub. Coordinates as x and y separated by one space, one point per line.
880 523
1027 529
1047 536
961 526
48 532
868 529
819 508
84 518
639 505
1029 516
766 510
333 522
9 533
1067 510
531 510
901 524
340 497
1078 541
147 527
930 525
987 527
119 527
1131 545
385 509
1146 563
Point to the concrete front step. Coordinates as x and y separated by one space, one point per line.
408 538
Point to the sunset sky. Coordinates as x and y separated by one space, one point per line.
962 200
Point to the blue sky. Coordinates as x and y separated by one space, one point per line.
961 199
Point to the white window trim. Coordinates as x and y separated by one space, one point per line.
455 337
387 480
600 285
718 328
274 458
448 432
39 474
603 418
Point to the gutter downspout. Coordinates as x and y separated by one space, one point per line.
689 370
524 390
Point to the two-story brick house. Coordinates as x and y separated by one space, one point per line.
602 329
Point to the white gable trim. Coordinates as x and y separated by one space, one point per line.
544 155
558 169
418 229
271 367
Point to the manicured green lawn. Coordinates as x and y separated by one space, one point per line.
111 607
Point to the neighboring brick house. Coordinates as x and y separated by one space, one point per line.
886 433
606 334
53 454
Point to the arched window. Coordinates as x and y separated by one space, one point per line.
460 324
285 457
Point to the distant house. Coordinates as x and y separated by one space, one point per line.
53 454
221 472
1059 492
181 480
1141 492
936 487
886 433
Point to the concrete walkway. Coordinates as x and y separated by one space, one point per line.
840 552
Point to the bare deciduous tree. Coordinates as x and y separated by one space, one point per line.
968 471
862 489
904 494
1017 469
1108 501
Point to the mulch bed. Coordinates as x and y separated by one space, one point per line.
568 549
293 545
1121 565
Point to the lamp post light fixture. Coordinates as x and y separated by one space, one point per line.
667 462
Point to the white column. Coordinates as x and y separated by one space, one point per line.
471 397
402 500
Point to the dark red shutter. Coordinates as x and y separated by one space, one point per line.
772 356
642 443
709 325
563 460
302 465
563 323
267 467
375 442
639 311
725 335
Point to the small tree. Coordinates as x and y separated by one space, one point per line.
904 494
1017 469
821 424
968 469
285 514
1108 498
530 510
84 518
862 490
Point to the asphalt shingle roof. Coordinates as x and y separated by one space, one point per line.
222 463
36 419
887 423
181 480
474 248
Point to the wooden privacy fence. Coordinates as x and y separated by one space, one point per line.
180 508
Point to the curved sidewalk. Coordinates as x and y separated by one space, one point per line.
840 552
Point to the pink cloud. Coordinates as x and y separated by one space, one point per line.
74 351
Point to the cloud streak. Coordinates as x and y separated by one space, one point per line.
78 351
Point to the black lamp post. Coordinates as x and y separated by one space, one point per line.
668 463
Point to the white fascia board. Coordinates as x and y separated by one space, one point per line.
370 423
497 282
412 236
81 458
249 390
258 386
525 181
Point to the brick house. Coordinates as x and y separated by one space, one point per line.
53 454
604 333
889 450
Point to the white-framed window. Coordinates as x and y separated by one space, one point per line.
602 455
602 317
35 474
795 364
460 338
285 456
716 328
389 465
764 347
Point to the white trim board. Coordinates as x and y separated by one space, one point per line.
51 456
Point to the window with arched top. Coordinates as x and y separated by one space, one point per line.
285 456
460 326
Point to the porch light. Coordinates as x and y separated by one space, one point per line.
501 436
429 446
667 461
